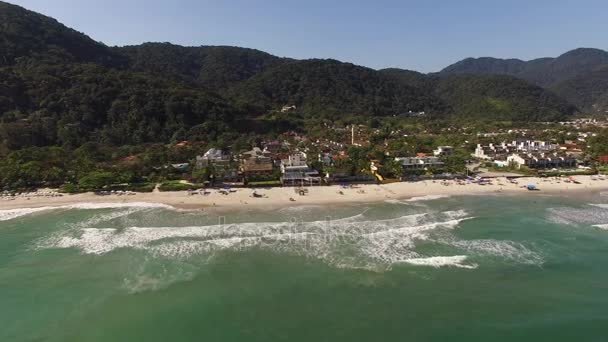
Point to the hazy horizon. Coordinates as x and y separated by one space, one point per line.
425 37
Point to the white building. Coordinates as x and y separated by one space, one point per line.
503 150
443 151
533 146
295 171
541 160
213 156
491 151
294 160
286 109
418 163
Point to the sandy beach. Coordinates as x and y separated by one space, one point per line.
273 198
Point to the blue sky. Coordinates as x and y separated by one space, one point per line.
423 35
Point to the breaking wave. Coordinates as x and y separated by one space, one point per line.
415 200
426 198
592 215
9 214
351 242
442 261
505 250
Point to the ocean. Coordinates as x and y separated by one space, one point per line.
474 268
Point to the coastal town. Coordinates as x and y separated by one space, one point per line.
358 154
344 171
426 161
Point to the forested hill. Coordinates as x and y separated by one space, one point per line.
588 91
60 87
26 34
544 72
501 97
578 76
217 67
331 87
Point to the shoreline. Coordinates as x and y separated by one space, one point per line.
277 198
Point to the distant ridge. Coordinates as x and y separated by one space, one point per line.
543 71
582 69
60 87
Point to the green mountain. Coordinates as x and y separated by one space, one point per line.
578 76
412 78
26 34
215 67
485 66
544 72
499 98
69 104
329 88
488 97
588 91
60 87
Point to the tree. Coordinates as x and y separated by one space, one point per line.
200 175
97 180
598 145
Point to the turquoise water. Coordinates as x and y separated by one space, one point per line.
433 269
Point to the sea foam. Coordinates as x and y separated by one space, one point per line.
9 214
426 198
381 242
442 261
592 214
353 242
504 250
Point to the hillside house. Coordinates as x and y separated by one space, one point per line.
443 151
213 156
256 162
296 172
419 162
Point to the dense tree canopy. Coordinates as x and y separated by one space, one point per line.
75 103
332 87
60 87
214 67
579 76
501 98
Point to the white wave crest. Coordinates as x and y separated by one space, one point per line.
592 214
442 261
350 241
10 214
109 205
506 250
601 226
426 198
353 242
394 201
